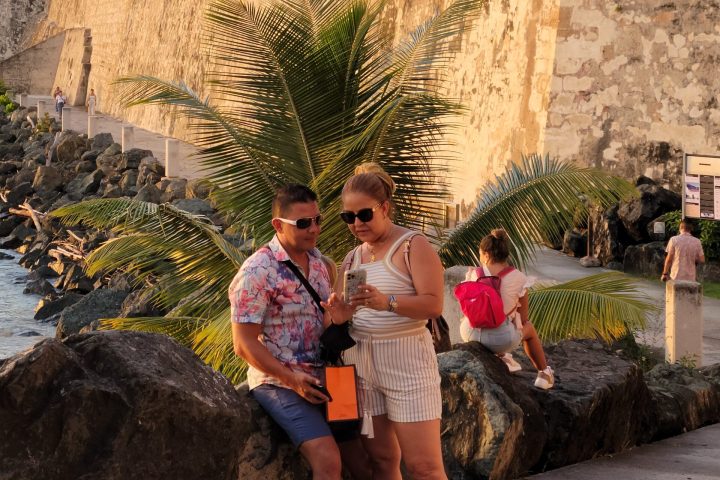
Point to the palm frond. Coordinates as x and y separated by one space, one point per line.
523 200
604 306
182 253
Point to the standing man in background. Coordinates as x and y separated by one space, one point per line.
684 252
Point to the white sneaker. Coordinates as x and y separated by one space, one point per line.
545 378
512 365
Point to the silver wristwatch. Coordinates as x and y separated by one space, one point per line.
392 303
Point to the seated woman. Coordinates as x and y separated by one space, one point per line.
494 253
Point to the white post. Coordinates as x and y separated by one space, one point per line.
66 115
42 109
23 99
91 126
172 160
683 322
128 137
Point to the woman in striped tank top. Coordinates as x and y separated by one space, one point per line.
398 374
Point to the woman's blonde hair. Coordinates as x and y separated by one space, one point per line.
370 179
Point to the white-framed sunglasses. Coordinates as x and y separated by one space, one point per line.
302 223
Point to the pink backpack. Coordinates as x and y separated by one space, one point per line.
480 300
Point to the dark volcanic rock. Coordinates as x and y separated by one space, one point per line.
18 194
149 193
101 141
575 243
521 428
194 206
118 406
103 303
685 399
39 287
646 259
47 179
131 158
47 306
71 147
637 213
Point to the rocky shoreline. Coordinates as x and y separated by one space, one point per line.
80 169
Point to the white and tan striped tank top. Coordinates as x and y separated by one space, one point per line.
387 278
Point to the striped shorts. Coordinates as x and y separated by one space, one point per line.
398 375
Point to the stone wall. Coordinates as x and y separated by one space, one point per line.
502 76
33 70
635 84
17 21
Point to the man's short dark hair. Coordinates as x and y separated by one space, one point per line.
687 225
289 194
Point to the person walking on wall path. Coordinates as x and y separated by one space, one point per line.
60 100
91 102
684 252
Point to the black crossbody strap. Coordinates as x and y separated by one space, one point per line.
304 281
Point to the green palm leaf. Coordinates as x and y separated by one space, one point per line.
524 201
181 254
605 306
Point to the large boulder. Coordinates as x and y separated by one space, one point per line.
101 141
18 194
49 306
685 398
150 171
652 202
132 158
498 425
118 405
646 259
194 206
609 236
575 243
98 304
70 147
47 179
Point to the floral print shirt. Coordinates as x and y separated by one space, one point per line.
268 293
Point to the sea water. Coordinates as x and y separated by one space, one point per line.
18 329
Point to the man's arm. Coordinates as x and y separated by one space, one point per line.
668 260
246 345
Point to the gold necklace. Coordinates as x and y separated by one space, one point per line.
371 249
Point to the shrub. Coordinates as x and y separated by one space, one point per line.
4 100
44 124
10 107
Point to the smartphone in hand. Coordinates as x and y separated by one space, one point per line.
353 279
323 390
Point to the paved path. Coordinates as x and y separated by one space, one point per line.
188 166
556 266
691 456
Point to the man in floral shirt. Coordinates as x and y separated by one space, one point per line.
276 327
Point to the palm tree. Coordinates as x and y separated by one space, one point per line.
311 89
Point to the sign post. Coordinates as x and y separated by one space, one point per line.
701 187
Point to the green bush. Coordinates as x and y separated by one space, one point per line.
10 107
4 100
708 231
44 124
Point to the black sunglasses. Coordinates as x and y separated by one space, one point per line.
303 223
364 215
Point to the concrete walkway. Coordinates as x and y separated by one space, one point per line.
188 166
551 265
691 456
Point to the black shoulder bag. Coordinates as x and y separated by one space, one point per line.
335 338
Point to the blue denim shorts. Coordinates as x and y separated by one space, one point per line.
300 419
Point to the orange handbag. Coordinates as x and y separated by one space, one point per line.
341 382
